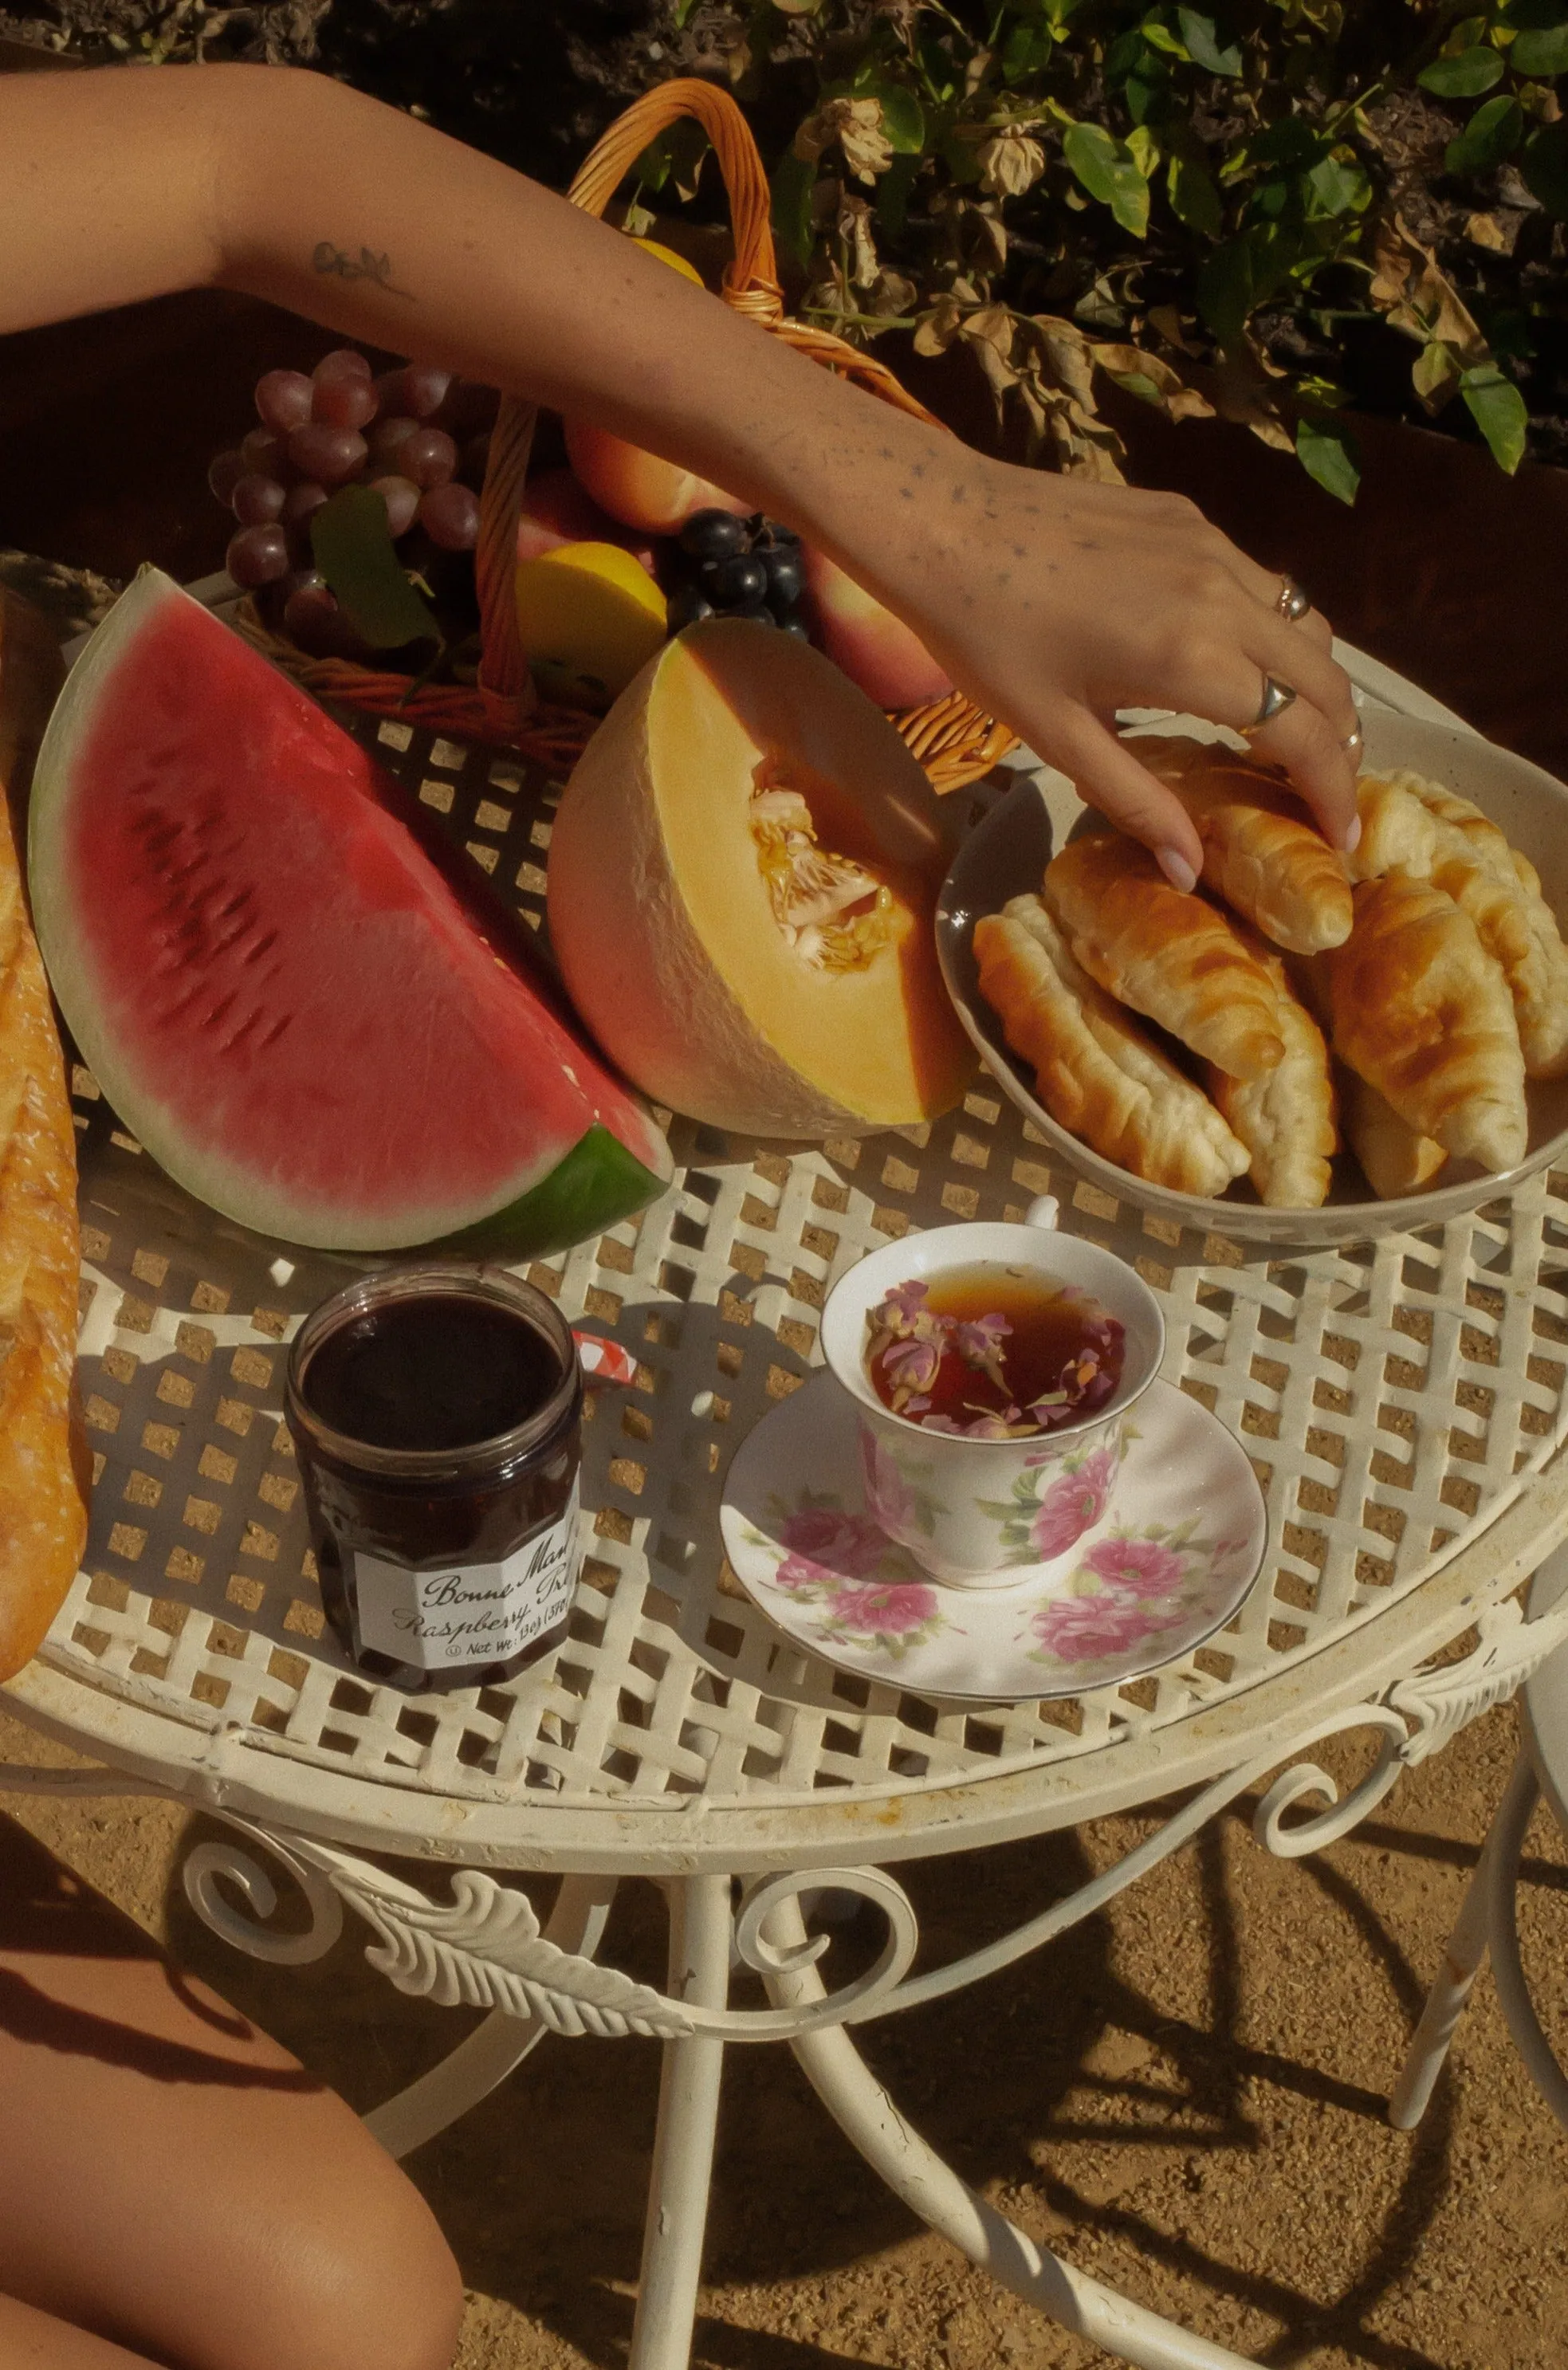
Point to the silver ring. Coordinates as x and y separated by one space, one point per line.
1292 602
1353 742
1277 697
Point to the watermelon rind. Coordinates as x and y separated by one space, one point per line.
557 1172
596 1185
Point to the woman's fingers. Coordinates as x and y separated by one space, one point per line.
1106 775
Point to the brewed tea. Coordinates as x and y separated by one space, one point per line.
993 1351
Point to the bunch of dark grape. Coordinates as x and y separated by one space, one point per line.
418 435
730 566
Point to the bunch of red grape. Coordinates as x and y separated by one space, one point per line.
417 435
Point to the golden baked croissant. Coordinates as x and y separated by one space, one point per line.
1287 1119
1096 1073
42 1514
1395 1159
1165 953
1432 833
1261 853
1422 1013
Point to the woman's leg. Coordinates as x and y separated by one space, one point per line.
35 2340
172 2182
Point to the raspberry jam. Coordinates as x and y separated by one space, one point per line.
437 1412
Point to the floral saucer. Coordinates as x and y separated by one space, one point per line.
1147 1551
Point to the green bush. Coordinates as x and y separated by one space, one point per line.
1249 208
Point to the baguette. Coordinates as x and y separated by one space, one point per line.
43 1518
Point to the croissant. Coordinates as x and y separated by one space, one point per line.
1430 831
1261 854
1394 1158
1287 1119
1422 1013
1165 953
42 1514
1096 1073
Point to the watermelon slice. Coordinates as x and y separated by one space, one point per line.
278 990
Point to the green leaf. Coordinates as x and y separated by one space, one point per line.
1541 55
892 194
1465 76
1107 169
1333 187
1493 133
903 118
1236 278
793 181
1203 44
1545 168
1194 197
1329 454
354 551
1498 410
1026 51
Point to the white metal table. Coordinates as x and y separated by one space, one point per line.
1404 1403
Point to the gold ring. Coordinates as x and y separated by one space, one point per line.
1292 602
1353 742
1277 697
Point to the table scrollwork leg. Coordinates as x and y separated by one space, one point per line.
914 2171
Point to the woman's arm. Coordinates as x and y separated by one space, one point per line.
1051 602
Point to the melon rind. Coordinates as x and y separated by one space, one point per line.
586 1178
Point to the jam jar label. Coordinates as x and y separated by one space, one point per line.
470 1613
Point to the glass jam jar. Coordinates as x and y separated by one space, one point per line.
436 1410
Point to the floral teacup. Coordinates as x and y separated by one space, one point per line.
971 1510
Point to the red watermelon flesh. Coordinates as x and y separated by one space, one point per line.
277 990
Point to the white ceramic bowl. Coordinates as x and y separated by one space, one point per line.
1005 855
948 1498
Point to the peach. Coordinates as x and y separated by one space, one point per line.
557 511
636 488
876 649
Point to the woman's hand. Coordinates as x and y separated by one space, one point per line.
1054 603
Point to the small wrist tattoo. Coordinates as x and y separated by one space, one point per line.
338 263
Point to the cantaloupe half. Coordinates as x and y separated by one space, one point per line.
743 881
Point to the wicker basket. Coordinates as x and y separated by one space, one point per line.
952 740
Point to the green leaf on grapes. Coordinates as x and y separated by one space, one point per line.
1545 168
1464 76
1194 197
1237 276
1493 133
1108 170
1334 186
1329 454
1203 44
893 195
793 181
354 551
1541 55
1498 410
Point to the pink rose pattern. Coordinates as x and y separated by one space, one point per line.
819 1537
836 1556
1135 1567
1146 1586
1073 1506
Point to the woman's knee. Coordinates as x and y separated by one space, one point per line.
370 2286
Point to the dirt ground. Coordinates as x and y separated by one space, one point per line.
1184 2096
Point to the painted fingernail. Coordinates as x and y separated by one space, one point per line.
1176 869
1352 839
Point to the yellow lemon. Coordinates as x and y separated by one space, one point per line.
668 254
589 616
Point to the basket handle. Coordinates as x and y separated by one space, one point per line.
750 287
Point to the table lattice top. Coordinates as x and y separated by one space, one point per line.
1396 1397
